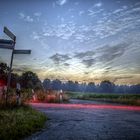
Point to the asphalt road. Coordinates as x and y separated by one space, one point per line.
88 120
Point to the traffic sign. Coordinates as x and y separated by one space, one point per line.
9 33
22 51
6 46
6 42
10 44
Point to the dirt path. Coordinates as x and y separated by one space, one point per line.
87 120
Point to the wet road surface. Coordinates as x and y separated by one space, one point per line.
88 120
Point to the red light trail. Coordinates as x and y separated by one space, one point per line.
86 106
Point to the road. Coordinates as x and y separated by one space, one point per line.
88 120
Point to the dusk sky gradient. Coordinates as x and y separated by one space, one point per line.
80 40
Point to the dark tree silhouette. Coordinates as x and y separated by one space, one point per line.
47 84
106 86
70 86
56 84
90 87
30 80
3 71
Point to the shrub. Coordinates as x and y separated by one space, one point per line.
40 95
18 122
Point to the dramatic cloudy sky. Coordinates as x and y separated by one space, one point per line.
83 40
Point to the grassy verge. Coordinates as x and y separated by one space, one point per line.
19 122
129 99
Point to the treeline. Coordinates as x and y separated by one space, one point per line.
30 80
104 87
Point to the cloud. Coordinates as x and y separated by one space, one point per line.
59 58
61 2
81 13
108 25
117 78
108 69
37 14
64 31
28 19
115 22
76 3
109 53
99 4
122 9
21 15
80 37
21 68
35 36
84 54
88 62
92 12
18 70
117 11
25 18
66 64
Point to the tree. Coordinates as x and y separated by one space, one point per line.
76 86
70 86
47 84
3 71
56 84
30 80
14 78
90 87
107 86
82 87
3 68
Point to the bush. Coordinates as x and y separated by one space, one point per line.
40 95
18 122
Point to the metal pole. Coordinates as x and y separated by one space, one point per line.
9 74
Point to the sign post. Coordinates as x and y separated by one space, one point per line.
10 44
13 37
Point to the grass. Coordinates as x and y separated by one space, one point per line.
19 122
129 99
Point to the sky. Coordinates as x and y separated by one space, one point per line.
79 40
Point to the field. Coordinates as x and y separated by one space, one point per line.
129 99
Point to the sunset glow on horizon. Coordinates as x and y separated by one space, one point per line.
85 41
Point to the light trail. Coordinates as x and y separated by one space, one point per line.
86 106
